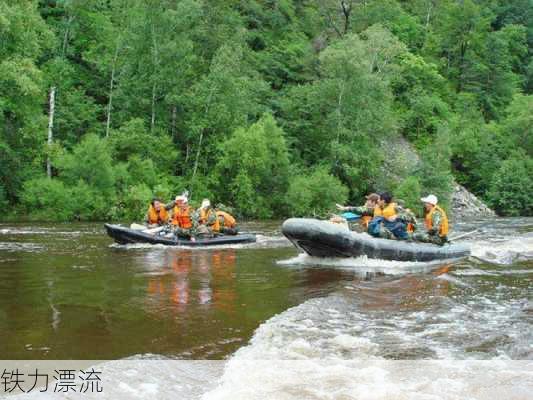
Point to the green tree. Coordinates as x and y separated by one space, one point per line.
342 118
460 29
518 122
315 193
132 139
420 95
173 84
91 163
410 192
475 58
511 188
228 97
434 172
391 15
25 38
47 199
252 171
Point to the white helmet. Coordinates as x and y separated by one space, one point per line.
431 199
182 199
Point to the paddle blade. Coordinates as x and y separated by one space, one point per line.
349 216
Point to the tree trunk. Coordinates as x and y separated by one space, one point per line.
52 105
111 87
428 16
201 136
346 11
197 156
65 36
173 122
464 48
187 151
339 122
155 61
152 124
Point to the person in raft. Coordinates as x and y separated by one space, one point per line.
227 222
157 214
435 221
407 216
386 224
366 211
182 221
206 220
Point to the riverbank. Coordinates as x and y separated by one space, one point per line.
464 204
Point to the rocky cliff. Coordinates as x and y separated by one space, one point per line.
401 159
466 204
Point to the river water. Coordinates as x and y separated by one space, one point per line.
68 292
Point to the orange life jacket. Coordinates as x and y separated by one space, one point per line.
365 220
155 217
182 217
444 225
226 220
388 212
410 227
204 216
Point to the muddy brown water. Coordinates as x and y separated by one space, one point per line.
68 292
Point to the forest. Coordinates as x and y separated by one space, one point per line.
274 108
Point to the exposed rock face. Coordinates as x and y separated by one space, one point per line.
466 204
401 160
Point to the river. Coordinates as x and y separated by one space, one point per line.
68 292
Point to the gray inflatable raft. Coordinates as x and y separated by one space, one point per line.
123 235
327 239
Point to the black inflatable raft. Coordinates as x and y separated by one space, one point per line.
123 235
327 239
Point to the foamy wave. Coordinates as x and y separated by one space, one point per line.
136 246
370 322
362 264
479 272
261 242
44 231
20 246
333 348
375 380
165 379
504 252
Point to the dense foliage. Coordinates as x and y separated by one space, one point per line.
273 107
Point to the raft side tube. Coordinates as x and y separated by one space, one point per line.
327 239
123 235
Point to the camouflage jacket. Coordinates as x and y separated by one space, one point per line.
406 215
436 221
211 218
362 210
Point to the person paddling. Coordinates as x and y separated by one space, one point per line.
436 223
386 223
366 211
